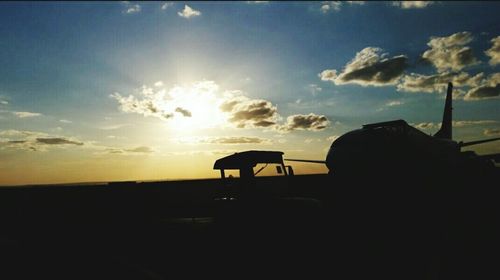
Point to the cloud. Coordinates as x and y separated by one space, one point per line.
201 105
57 141
327 6
489 88
412 4
158 84
437 82
235 140
188 12
468 123
494 51
166 5
332 138
183 112
113 127
311 122
34 141
427 125
129 151
462 123
483 92
394 103
131 8
142 149
147 106
26 114
19 133
450 53
314 89
4 102
245 112
257 2
65 121
369 67
492 132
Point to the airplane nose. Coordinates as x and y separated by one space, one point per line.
335 158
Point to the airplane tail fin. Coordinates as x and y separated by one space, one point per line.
445 131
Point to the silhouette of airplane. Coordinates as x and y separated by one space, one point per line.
395 145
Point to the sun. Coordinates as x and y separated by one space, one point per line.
195 107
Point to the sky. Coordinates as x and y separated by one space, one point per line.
114 91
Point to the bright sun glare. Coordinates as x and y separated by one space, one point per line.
196 106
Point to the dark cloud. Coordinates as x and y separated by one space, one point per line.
305 122
369 67
383 72
246 112
483 92
142 149
16 141
184 112
57 141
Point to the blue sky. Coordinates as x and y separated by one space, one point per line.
68 69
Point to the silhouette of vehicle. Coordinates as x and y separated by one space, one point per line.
246 197
397 147
246 161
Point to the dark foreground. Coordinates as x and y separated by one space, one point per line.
356 227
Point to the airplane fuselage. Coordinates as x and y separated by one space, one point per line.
388 145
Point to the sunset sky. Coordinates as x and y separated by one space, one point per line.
159 90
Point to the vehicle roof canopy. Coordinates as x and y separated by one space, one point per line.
248 159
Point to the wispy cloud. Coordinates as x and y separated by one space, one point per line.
131 8
461 123
328 6
437 82
57 141
188 12
166 5
141 150
412 4
314 89
332 138
34 140
114 126
65 121
492 132
393 103
26 114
